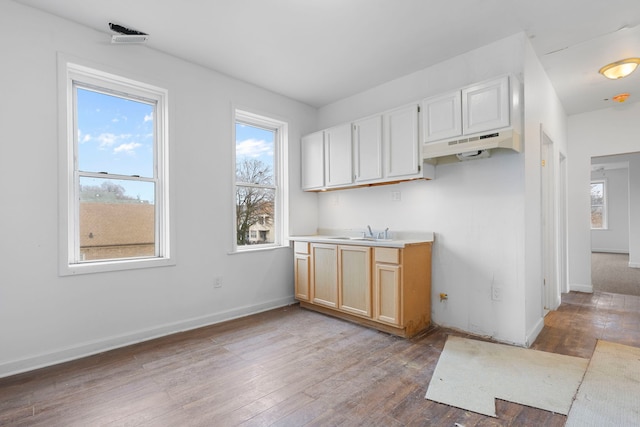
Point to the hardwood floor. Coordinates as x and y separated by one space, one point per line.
289 367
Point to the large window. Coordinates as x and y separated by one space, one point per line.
598 204
259 197
115 172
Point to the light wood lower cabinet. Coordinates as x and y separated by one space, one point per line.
385 288
302 270
354 279
324 275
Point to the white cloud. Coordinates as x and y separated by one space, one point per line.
148 117
82 138
253 148
106 140
128 148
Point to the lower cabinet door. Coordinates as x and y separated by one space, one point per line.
387 293
301 271
354 280
325 275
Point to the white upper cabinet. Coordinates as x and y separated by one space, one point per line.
312 161
485 106
384 148
473 109
338 169
442 116
403 146
367 147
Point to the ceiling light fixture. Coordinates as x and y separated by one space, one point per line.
621 97
620 69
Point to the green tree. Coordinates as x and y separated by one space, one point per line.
107 192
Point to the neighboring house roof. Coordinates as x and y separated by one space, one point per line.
107 224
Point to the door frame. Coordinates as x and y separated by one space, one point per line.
553 220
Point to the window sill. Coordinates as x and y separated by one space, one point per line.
119 265
257 248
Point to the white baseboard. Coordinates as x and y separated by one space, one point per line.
610 251
534 332
581 288
634 264
98 346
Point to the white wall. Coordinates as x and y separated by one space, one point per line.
603 132
476 208
634 210
485 213
614 238
45 318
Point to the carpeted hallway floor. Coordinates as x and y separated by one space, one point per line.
611 273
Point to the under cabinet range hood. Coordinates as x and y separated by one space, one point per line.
473 147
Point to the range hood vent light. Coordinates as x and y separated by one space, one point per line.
473 147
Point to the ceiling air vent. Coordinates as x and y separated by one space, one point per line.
126 35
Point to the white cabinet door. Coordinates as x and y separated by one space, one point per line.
312 161
338 165
442 116
367 147
485 106
403 149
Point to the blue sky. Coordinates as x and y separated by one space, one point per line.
254 143
115 135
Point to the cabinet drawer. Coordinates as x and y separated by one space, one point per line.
301 247
388 255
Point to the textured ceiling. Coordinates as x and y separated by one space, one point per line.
319 51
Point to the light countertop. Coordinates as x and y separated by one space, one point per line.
403 240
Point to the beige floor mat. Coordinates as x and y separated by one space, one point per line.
471 374
610 392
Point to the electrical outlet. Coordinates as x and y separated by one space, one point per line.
496 293
396 196
217 282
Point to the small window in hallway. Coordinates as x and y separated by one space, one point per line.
598 205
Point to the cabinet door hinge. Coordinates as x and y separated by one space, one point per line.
418 108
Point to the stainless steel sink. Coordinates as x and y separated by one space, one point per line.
362 239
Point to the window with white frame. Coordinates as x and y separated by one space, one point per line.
259 200
116 165
598 204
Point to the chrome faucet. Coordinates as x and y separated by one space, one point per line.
384 234
370 232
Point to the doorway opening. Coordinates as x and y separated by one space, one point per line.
615 206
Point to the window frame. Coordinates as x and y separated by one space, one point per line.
71 75
605 214
280 161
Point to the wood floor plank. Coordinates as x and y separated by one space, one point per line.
290 367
